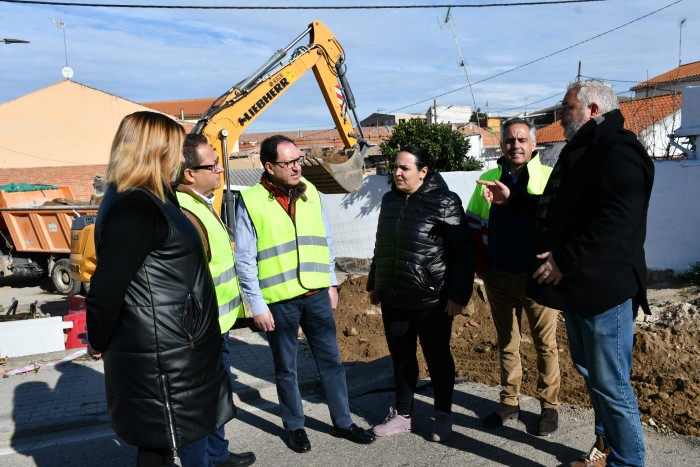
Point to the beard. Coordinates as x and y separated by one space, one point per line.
572 127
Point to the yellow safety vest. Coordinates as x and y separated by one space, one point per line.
478 210
222 264
293 256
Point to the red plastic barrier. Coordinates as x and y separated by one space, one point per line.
77 335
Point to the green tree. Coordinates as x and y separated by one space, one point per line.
447 147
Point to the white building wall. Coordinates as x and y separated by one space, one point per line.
673 229
655 137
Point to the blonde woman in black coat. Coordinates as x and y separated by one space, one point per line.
152 313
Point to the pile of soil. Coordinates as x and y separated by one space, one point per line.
665 372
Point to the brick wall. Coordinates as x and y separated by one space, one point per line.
78 178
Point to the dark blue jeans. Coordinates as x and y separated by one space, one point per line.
315 316
601 349
213 448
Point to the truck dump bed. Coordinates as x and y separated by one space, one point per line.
34 227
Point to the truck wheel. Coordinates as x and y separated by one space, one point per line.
62 278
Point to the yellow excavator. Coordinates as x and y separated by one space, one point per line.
236 109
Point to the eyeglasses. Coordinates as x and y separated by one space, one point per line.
292 163
211 167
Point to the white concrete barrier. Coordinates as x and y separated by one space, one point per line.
673 228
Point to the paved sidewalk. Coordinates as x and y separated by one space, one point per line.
69 399
71 395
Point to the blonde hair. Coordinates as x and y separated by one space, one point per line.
146 152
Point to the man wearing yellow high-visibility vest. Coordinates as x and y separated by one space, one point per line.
285 263
201 175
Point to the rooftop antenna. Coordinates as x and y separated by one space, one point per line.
67 71
462 63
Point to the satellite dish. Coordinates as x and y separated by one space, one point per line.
67 72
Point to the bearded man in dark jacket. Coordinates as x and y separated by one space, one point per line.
590 231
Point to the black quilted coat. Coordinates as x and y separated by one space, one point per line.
423 253
165 381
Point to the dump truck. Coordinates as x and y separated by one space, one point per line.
231 113
35 226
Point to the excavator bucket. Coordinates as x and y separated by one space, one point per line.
332 178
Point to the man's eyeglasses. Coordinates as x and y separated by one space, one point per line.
292 163
211 167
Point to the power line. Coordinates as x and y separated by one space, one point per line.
541 58
610 80
327 7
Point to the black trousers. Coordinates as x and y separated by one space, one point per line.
150 457
433 327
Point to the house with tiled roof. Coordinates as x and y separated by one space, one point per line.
652 119
669 82
60 134
185 110
483 144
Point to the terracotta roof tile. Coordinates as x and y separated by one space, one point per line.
192 108
689 70
639 114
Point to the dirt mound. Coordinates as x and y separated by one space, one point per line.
665 372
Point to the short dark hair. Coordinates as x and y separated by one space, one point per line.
189 149
268 148
423 157
518 121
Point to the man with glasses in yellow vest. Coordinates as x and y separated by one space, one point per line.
201 175
286 266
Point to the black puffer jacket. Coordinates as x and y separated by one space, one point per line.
423 252
165 381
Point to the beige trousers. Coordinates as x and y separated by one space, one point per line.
507 297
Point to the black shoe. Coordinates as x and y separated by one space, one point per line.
549 422
355 434
298 441
503 413
237 460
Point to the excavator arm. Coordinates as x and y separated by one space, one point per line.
235 110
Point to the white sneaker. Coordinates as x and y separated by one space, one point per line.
393 424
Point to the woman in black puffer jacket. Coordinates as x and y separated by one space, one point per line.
422 274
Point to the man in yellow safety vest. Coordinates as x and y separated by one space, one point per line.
286 265
201 175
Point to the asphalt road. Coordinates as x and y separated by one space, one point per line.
258 429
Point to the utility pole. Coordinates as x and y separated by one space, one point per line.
578 76
680 40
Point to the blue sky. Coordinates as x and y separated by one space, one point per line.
397 59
